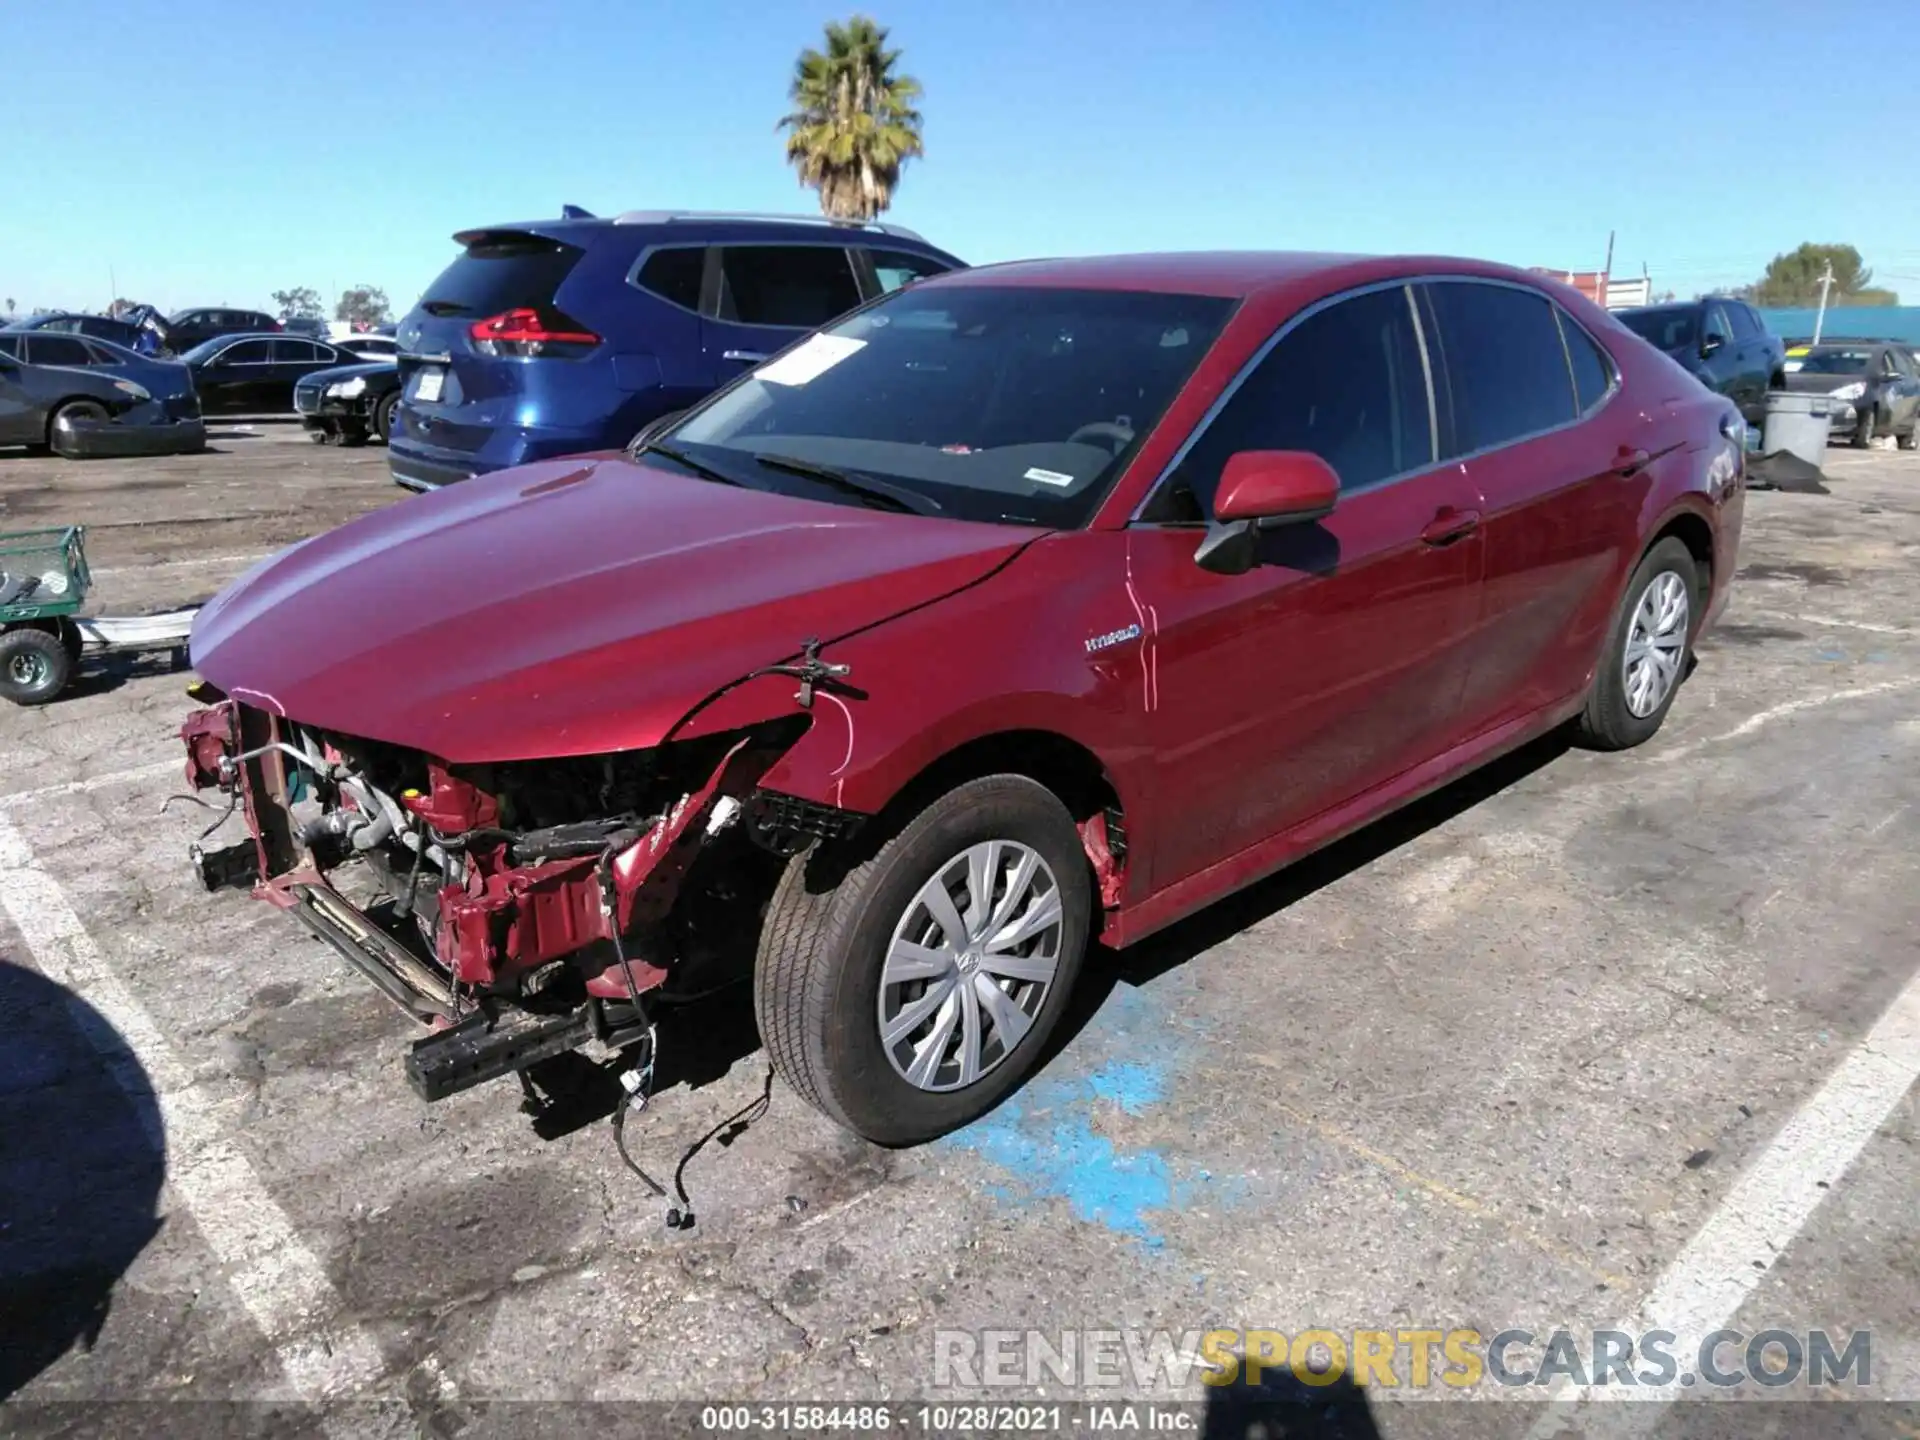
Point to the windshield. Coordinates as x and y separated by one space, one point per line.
995 403
1804 361
1669 327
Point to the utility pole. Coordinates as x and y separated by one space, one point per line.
1606 273
1826 281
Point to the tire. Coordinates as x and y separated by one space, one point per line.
1911 439
1863 431
383 418
833 921
34 666
68 418
1610 721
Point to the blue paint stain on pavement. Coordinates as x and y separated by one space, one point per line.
1044 1136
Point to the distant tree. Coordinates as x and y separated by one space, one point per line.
853 124
363 305
299 303
1793 279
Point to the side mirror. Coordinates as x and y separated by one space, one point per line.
1710 344
1263 490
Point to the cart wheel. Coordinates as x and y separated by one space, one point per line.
34 666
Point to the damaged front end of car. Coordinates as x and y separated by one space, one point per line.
521 909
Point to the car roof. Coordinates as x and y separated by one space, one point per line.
1234 274
705 227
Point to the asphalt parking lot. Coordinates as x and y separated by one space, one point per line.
1497 1063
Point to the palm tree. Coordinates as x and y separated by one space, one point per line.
853 123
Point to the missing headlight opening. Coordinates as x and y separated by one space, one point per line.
520 909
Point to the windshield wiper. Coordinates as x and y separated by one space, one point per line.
680 457
898 496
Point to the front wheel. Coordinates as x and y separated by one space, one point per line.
1647 651
906 994
1863 430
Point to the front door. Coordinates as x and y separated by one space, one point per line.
769 296
1337 662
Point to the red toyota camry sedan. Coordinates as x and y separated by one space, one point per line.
1029 604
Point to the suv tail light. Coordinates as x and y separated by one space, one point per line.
527 332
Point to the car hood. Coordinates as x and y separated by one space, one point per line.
566 608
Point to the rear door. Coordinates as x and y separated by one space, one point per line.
1541 441
21 420
1337 662
672 278
1902 389
292 359
48 348
765 297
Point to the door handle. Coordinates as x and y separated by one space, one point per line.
745 357
1629 461
1449 525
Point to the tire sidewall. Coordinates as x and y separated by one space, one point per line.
881 1104
1669 554
52 649
383 417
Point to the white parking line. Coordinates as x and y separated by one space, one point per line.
272 1272
175 766
192 562
1785 708
1766 1208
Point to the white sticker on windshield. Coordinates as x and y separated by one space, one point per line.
809 360
1049 477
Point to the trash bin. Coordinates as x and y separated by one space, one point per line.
1798 424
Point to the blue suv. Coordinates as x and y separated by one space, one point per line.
560 336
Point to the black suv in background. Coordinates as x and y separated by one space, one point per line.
1722 341
188 328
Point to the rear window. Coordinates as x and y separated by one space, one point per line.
1506 361
1670 328
50 349
1592 371
500 272
797 286
675 274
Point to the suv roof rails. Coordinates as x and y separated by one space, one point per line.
661 217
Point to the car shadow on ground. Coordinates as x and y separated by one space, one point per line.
1221 921
82 1159
100 675
701 1042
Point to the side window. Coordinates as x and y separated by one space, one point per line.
289 352
1902 363
99 355
1717 326
1505 359
1746 324
10 346
47 349
1346 383
799 286
674 274
1592 370
247 352
894 268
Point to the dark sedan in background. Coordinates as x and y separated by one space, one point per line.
82 412
257 373
185 329
350 405
168 381
1875 382
1725 343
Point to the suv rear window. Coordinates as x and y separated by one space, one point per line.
800 286
501 271
675 274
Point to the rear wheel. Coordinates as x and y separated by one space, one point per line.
908 993
1647 650
69 419
1912 438
34 666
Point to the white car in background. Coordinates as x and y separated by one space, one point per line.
369 347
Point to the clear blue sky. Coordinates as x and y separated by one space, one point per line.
212 151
